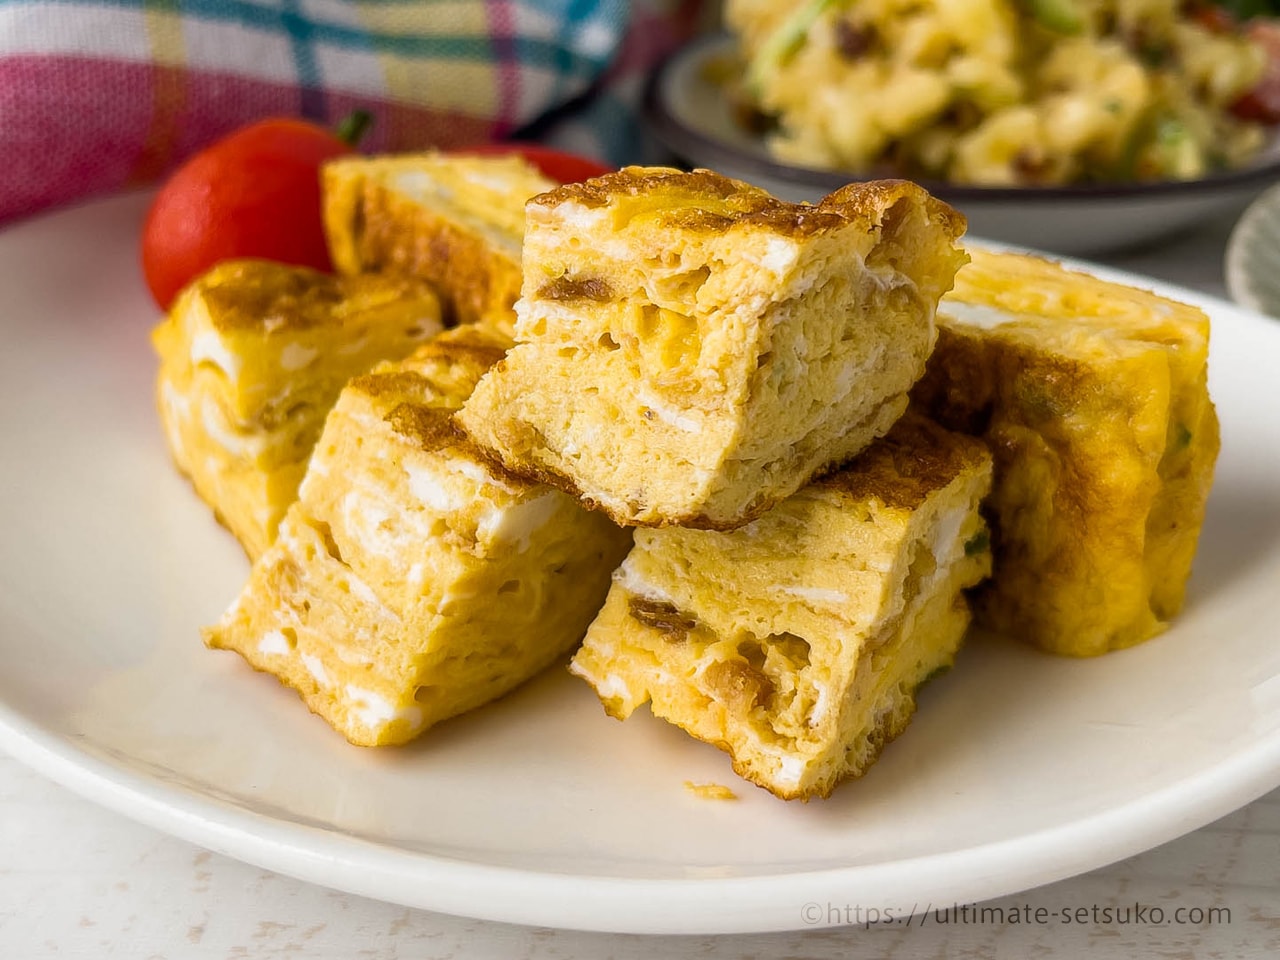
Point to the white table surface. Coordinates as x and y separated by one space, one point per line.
79 881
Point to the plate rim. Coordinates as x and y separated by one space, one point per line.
1238 276
664 123
581 901
628 905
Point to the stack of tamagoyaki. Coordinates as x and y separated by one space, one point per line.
761 463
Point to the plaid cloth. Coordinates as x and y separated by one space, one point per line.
99 95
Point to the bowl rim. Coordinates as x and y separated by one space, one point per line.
676 135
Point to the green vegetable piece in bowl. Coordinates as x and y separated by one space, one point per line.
1060 16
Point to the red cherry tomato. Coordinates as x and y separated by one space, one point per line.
554 164
255 193
1262 103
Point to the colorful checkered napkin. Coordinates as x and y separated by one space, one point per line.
99 95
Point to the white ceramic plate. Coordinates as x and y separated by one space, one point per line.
1019 769
691 115
1252 265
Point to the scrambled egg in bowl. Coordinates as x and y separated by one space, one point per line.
1003 92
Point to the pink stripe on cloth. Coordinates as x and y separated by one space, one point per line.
65 129
502 28
399 126
219 103
75 127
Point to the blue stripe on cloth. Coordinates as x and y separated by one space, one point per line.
314 103
559 10
549 54
578 11
500 15
559 54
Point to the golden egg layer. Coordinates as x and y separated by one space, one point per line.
691 350
252 356
1093 397
796 643
410 582
457 221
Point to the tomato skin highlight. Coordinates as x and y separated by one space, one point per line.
554 164
255 193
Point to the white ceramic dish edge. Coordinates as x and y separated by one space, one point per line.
579 901
612 905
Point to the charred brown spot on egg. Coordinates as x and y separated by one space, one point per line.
577 288
661 616
738 683
431 428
